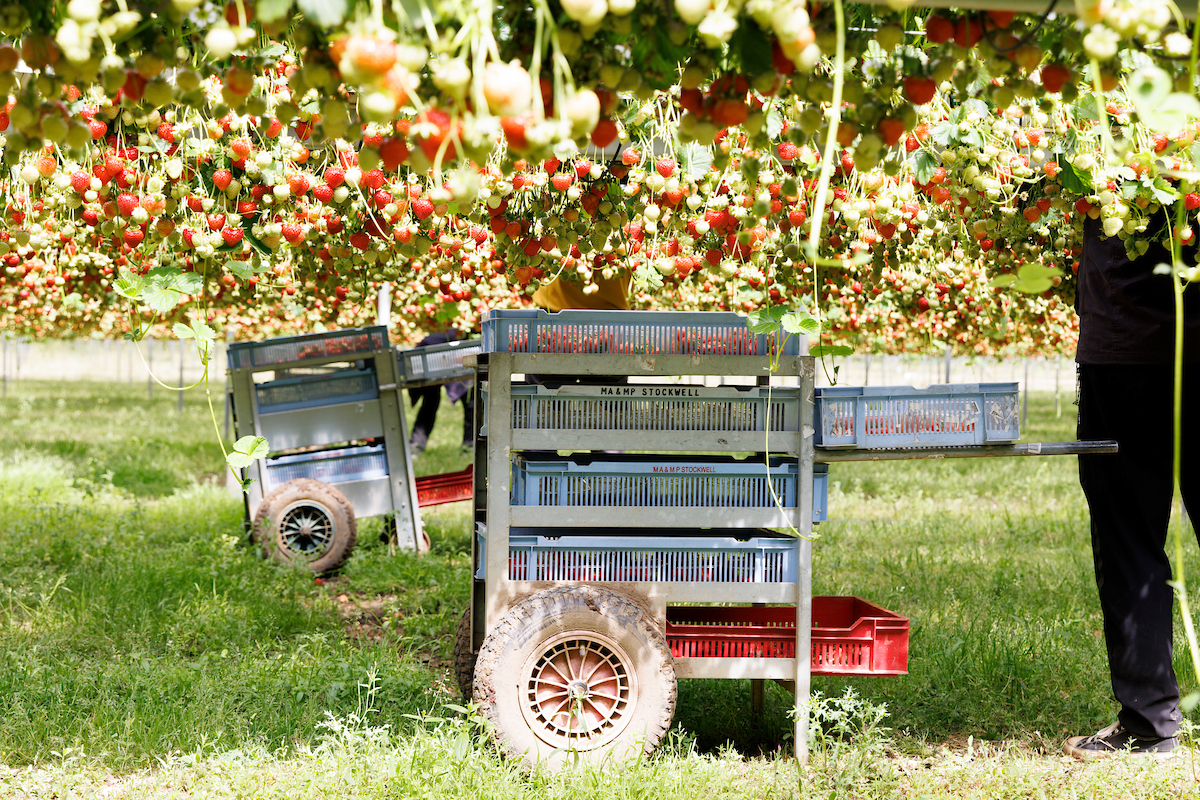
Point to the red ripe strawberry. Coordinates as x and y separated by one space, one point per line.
382 198
422 207
372 180
232 235
298 184
126 203
582 168
334 224
247 208
630 156
222 178
911 144
919 89
1160 141
133 236
114 165
938 29
605 133
562 181
967 32
847 163
360 240
323 192
274 128
166 132
80 181
292 232
797 216
551 165
1191 201
788 151
393 153
216 222
98 128
335 176
372 139
665 167
241 148
1054 76
892 130
1001 19
91 216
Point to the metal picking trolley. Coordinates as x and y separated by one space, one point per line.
329 406
590 570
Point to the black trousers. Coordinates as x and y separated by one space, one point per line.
1129 495
428 399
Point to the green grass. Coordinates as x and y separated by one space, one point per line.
143 646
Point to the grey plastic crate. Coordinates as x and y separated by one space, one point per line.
893 417
294 349
650 556
437 362
341 465
659 407
291 394
585 332
652 481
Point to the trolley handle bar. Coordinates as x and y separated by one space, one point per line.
826 456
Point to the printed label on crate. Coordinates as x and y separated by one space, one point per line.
659 390
677 469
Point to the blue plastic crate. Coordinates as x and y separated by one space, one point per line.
437 361
657 407
586 332
648 556
894 417
291 349
341 465
653 481
291 394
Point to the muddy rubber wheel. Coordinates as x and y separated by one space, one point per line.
464 659
576 674
306 521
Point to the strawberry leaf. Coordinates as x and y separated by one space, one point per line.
246 451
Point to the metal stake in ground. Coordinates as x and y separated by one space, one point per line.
180 406
150 368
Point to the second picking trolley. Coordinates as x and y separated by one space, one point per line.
595 572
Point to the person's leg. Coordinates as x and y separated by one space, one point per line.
1129 496
429 397
468 402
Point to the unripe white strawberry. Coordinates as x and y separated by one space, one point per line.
692 11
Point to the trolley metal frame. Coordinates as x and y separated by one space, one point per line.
495 516
333 423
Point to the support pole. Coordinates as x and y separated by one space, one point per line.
4 368
949 355
867 369
383 309
1025 405
180 406
1057 386
150 368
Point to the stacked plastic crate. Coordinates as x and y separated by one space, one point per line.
689 524
328 406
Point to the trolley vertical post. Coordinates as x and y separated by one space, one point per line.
804 497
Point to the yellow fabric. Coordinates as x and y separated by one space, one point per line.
560 294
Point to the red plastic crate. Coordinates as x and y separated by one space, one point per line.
849 635
449 487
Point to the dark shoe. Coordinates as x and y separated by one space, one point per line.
416 448
1115 740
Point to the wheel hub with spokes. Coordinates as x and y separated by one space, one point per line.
580 692
306 530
